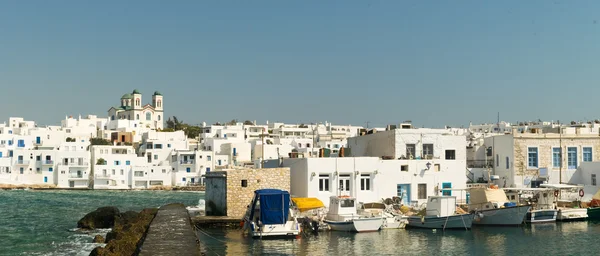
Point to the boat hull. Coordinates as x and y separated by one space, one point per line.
593 213
509 216
463 221
540 216
356 225
289 230
572 214
394 223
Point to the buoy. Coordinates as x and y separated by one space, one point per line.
581 193
555 193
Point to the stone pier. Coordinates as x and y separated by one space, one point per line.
170 233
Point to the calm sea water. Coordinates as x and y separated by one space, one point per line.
42 222
576 238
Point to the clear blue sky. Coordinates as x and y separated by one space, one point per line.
433 62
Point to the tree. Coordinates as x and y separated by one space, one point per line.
99 141
248 122
101 161
232 122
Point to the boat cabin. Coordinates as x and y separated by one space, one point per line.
270 206
539 198
441 206
342 205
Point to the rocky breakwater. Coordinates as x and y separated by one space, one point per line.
128 229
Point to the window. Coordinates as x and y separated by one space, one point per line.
38 158
155 157
117 163
447 189
572 157
158 146
507 163
404 168
323 182
50 169
365 182
346 203
556 158
450 154
168 145
183 179
410 150
122 172
127 162
114 172
188 169
158 117
593 179
207 169
422 191
489 151
164 171
21 143
137 117
21 170
148 116
587 154
532 157
244 183
497 160
207 158
427 150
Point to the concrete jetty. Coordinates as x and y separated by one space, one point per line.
170 233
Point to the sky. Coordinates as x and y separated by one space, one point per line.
349 62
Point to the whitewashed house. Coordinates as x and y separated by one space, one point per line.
112 166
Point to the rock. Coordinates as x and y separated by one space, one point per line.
97 251
126 236
103 217
98 239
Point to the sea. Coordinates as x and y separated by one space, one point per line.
43 222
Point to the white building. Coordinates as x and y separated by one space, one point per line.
370 179
112 166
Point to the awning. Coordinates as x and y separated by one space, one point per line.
307 203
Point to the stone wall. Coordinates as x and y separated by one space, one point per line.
239 197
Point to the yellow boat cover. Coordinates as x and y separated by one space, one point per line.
307 203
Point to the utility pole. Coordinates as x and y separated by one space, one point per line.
367 122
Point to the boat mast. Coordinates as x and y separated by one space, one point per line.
560 154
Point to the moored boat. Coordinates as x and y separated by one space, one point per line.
593 211
441 213
568 202
343 216
541 201
492 207
270 215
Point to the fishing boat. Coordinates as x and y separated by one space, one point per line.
541 200
343 216
568 201
441 213
491 206
593 210
270 215
392 218
197 210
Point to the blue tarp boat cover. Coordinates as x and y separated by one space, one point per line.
274 205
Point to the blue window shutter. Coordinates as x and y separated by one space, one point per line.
50 169
207 169
188 169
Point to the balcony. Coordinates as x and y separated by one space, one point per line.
47 162
75 176
102 176
186 162
76 164
22 162
480 164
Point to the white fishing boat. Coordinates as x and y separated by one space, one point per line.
270 215
567 200
441 213
343 216
310 213
392 219
492 207
541 200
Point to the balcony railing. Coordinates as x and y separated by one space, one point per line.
480 163
76 176
22 162
48 162
102 175
186 162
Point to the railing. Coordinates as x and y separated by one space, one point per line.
102 175
23 162
48 162
75 176
187 162
480 163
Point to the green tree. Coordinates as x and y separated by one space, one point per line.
248 122
99 141
101 161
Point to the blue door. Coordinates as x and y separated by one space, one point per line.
38 140
234 152
45 179
207 169
403 191
193 179
0 154
188 169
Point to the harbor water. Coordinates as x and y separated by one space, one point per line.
44 222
